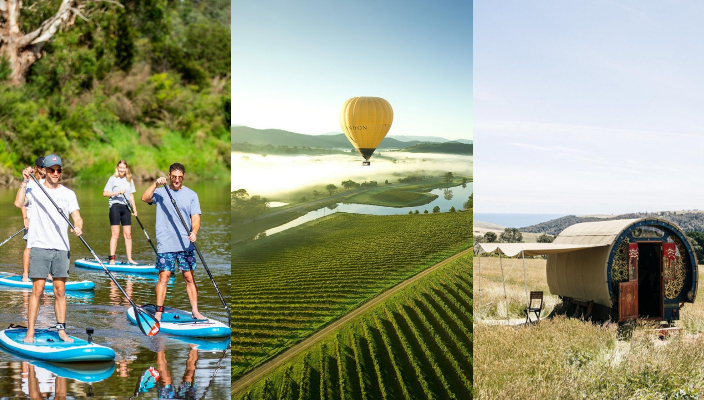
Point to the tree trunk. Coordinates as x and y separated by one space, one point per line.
19 59
22 50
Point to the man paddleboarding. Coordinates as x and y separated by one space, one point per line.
174 243
48 239
26 214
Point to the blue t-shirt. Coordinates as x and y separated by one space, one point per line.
170 235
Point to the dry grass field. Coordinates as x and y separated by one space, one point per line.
563 358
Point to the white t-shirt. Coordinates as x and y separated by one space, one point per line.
47 228
115 184
30 184
46 380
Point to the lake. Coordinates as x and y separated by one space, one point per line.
204 366
447 198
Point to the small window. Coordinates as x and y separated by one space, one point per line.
647 232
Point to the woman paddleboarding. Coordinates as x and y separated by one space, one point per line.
119 189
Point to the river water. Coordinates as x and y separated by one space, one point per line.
447 198
190 369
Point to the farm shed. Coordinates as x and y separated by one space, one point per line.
620 269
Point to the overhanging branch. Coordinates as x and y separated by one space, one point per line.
50 26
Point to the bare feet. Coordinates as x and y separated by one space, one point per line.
157 315
133 262
112 262
64 336
198 315
30 337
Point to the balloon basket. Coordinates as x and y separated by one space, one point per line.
366 163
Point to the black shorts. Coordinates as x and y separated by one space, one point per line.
119 213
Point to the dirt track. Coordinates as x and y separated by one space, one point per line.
270 365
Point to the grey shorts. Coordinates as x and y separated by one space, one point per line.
43 262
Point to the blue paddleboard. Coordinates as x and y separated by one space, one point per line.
206 344
119 266
48 346
16 281
88 373
181 323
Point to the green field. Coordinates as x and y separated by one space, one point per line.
293 283
385 196
416 344
569 358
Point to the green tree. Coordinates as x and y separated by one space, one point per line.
490 237
425 211
511 235
331 188
227 110
452 209
470 203
436 209
545 238
697 239
448 177
349 184
124 47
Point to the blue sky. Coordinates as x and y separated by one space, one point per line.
588 107
296 62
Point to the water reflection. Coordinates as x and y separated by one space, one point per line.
447 198
42 379
447 194
159 379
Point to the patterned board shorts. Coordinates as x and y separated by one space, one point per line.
186 261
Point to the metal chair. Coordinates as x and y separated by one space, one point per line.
538 296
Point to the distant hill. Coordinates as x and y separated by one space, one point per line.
430 139
278 137
405 138
687 220
444 148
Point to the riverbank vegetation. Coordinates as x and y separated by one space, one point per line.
147 81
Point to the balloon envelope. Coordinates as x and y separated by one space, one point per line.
365 121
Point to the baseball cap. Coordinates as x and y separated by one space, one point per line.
51 160
39 162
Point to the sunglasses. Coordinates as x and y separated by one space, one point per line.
174 177
53 170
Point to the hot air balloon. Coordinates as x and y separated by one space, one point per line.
365 121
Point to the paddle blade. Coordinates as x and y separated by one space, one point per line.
147 323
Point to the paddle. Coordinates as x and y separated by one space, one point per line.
140 223
8 239
178 211
146 322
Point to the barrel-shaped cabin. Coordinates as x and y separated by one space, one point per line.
632 268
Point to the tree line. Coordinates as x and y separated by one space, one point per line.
74 67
